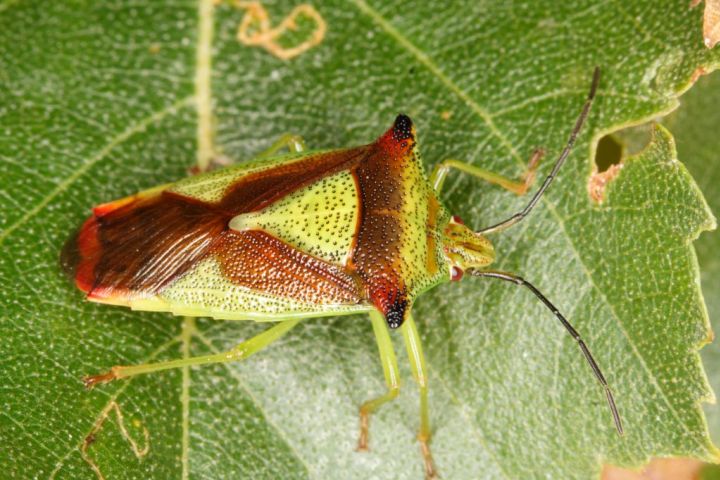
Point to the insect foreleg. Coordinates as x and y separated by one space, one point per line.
392 376
419 371
558 163
509 277
240 352
437 178
294 143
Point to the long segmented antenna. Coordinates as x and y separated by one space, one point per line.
561 159
509 277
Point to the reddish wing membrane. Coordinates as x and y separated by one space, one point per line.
139 246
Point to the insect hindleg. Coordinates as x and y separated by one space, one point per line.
509 277
558 163
392 376
294 143
240 352
419 371
437 178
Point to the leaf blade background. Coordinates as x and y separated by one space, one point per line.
94 114
700 154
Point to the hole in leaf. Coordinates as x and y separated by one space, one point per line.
608 162
609 152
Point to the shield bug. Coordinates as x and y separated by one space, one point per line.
310 234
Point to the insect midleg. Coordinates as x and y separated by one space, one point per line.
437 178
239 352
294 143
419 371
558 163
509 277
392 376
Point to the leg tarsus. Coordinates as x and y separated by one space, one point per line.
430 471
528 178
91 380
366 409
362 445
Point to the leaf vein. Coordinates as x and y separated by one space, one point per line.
112 398
100 155
591 280
281 433
425 60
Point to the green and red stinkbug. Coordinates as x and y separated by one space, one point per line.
310 234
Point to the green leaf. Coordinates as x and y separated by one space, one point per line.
102 100
698 115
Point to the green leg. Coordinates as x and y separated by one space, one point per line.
419 371
240 352
519 187
392 377
294 143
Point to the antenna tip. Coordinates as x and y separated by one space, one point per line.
614 411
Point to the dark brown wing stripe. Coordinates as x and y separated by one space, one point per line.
136 247
256 191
